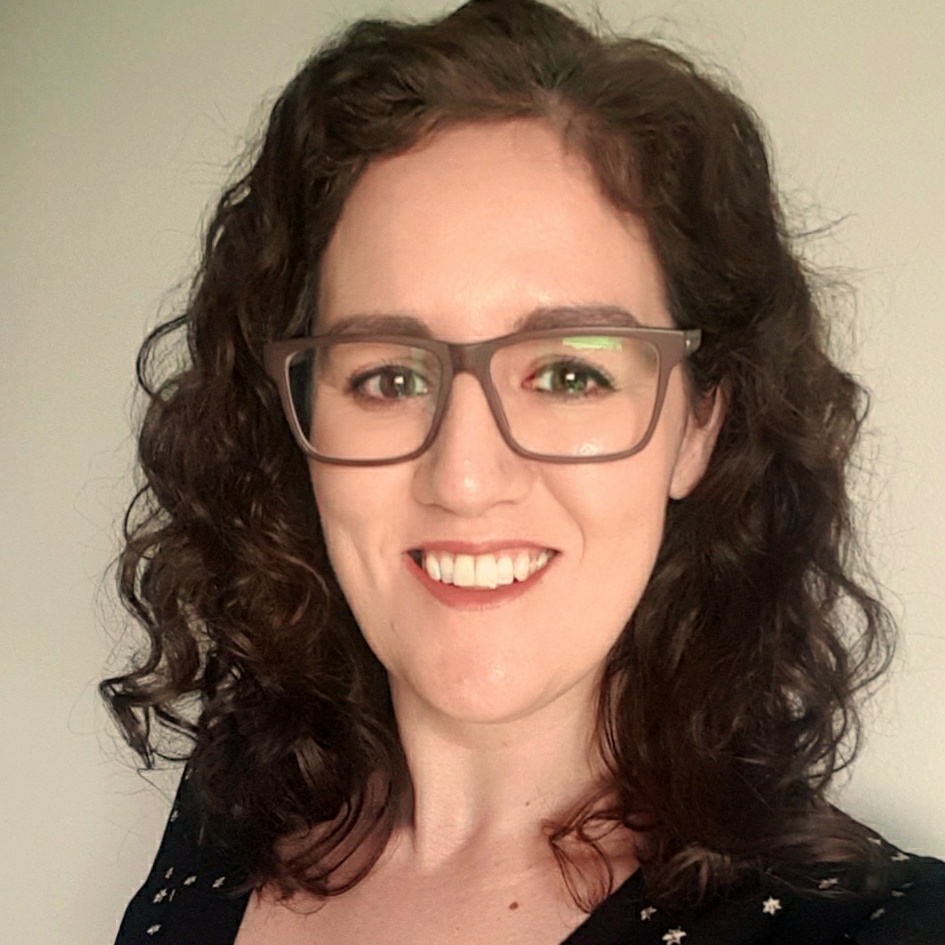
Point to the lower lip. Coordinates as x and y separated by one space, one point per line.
474 598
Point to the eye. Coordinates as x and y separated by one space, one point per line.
389 382
570 378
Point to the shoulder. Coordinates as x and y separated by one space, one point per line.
912 908
194 894
907 906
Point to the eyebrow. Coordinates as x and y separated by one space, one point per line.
539 319
380 325
577 316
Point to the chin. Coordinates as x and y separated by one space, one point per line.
488 691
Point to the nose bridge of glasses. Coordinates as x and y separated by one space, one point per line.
473 358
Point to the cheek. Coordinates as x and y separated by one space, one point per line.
619 498
353 519
349 497
355 510
620 509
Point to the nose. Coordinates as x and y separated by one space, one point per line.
469 468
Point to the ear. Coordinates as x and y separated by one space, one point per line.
703 422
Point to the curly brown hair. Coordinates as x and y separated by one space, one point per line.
252 650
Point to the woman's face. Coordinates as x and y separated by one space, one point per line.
469 234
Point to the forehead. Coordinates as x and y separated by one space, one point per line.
480 225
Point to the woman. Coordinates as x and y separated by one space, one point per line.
495 552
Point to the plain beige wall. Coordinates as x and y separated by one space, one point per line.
118 123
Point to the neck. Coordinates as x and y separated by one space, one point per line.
479 785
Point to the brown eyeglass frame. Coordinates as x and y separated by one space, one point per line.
673 345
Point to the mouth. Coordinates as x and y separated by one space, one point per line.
485 571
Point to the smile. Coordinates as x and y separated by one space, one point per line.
487 571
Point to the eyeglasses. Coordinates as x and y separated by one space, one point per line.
562 395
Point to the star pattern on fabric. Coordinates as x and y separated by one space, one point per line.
198 883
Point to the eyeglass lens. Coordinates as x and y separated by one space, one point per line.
584 395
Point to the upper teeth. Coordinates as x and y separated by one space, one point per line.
487 571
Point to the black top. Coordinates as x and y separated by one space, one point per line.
190 899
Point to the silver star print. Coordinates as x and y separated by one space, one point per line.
771 906
674 937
